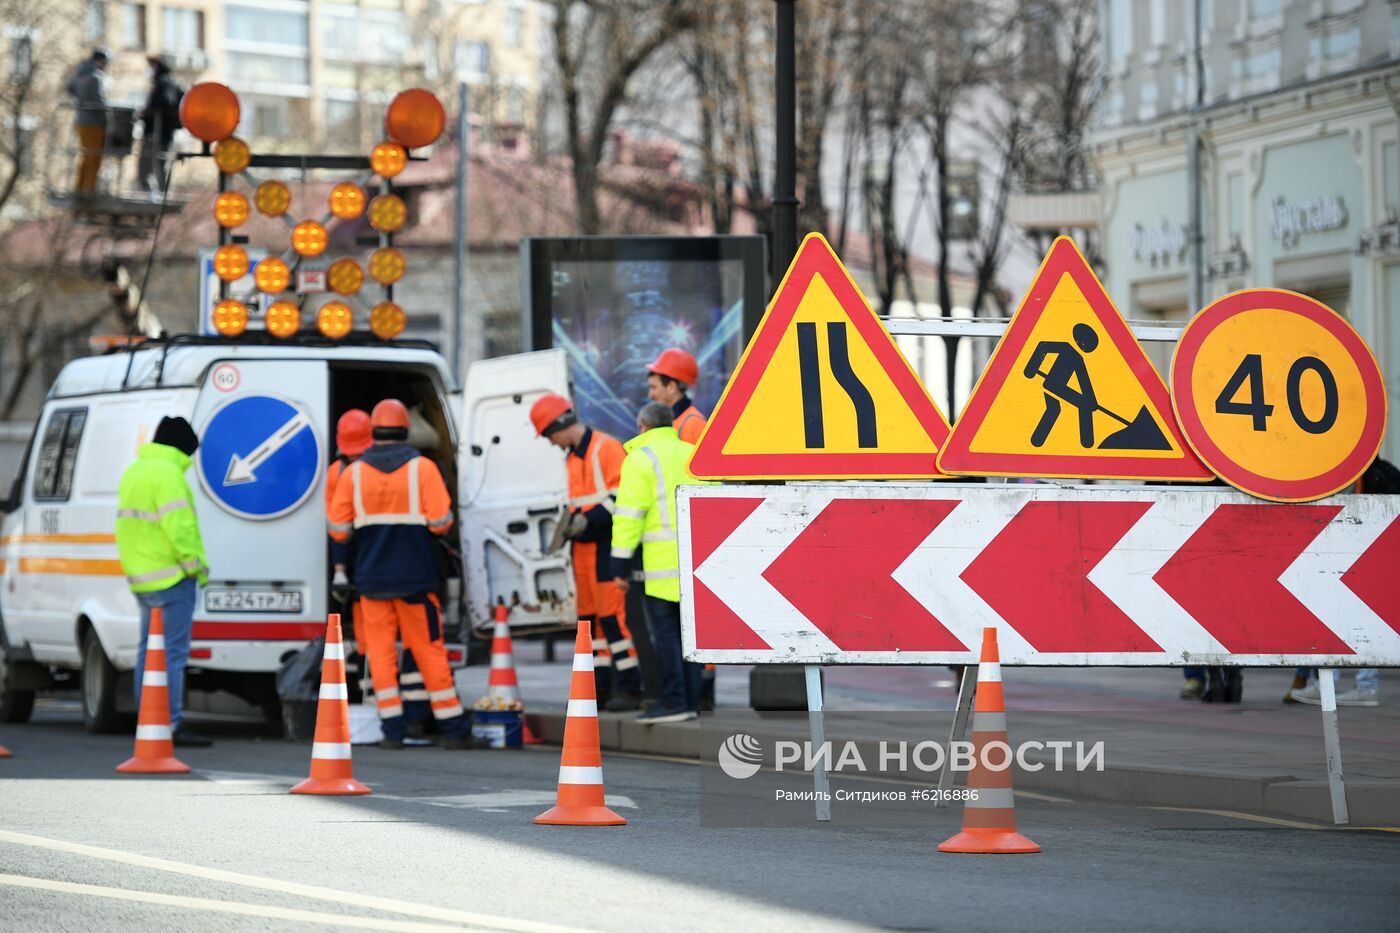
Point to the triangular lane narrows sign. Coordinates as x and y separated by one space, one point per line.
822 391
1069 392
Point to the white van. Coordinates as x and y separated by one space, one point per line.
265 412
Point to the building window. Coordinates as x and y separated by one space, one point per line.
1147 99
265 27
1234 192
1265 7
1390 169
1331 47
265 117
268 69
181 30
21 59
95 21
515 106
1120 29
473 60
1257 71
58 454
341 113
514 27
386 38
133 26
1157 12
340 35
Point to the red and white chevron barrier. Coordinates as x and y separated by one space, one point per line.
1080 575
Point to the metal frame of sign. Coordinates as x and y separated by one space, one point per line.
1184 359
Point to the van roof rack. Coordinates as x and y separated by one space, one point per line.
356 338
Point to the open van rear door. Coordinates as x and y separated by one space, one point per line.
513 486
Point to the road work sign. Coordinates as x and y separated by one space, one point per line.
1069 392
259 456
867 573
1279 395
822 392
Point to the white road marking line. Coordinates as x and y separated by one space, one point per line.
223 907
346 898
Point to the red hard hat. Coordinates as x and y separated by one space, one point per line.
352 433
548 409
677 364
389 413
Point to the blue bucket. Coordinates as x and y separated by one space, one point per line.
493 728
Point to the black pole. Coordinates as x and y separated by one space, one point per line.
785 172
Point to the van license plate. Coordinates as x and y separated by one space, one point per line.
230 600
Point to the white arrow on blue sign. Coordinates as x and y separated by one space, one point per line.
259 456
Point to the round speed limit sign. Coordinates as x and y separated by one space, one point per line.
1278 395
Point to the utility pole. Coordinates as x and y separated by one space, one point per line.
785 171
1195 254
459 223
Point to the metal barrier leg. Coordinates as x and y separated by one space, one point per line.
965 690
820 780
1332 741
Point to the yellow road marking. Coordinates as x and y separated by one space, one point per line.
344 898
223 907
1250 817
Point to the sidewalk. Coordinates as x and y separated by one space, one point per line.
1261 756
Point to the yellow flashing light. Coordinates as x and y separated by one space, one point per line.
334 319
309 238
230 263
386 320
272 198
231 155
386 265
230 317
347 200
388 159
387 213
230 209
283 319
345 276
272 275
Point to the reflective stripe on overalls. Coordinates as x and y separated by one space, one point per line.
601 494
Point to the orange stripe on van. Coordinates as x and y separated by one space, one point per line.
58 539
87 568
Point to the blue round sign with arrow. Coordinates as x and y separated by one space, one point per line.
259 456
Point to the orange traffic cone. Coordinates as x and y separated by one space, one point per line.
502 684
330 749
155 752
580 801
989 821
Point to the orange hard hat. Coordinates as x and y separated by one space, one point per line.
389 413
352 433
550 413
677 364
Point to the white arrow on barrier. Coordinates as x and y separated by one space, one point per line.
242 469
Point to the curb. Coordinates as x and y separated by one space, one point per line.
1278 795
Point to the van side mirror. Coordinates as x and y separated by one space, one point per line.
11 500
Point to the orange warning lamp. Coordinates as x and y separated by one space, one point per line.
415 118
334 319
283 318
386 320
388 159
230 317
345 276
272 198
231 155
386 265
209 111
347 200
272 275
309 238
387 213
230 209
230 263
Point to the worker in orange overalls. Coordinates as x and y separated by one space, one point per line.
393 501
669 379
595 469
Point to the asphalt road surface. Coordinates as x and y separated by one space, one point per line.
447 842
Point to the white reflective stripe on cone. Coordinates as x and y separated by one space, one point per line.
625 664
583 662
334 750
502 660
334 692
335 651
582 708
154 679
988 722
989 672
152 733
572 774
155 641
992 798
